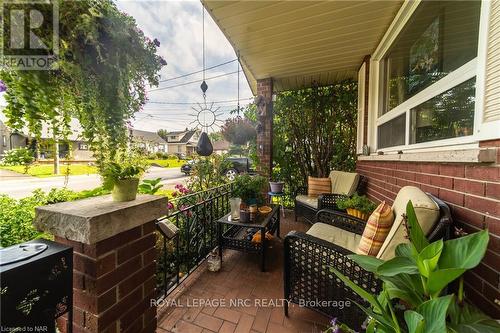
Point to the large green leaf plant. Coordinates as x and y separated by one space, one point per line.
417 296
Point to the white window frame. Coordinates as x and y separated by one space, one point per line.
361 107
474 68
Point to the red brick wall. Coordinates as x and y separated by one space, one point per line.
473 194
113 282
265 137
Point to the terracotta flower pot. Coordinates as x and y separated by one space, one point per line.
125 190
357 213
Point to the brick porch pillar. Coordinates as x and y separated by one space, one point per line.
114 260
265 135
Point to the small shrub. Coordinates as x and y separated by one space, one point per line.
19 156
161 155
173 157
16 215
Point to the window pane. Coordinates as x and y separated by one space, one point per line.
392 133
445 116
440 37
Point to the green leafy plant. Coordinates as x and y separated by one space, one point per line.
208 172
276 174
101 75
249 188
16 215
356 201
150 186
416 290
114 171
19 156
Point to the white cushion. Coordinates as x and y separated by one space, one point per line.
347 240
427 212
307 200
344 182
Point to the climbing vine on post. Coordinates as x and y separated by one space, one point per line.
100 76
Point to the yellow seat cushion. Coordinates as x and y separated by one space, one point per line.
343 238
307 200
344 182
377 228
317 186
427 212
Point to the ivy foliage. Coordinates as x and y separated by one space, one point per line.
100 76
314 132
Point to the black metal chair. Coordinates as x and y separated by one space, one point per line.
324 201
308 280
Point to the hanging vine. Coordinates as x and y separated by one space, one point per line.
100 77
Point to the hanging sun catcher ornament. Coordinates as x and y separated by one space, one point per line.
205 116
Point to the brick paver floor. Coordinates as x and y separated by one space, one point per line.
208 302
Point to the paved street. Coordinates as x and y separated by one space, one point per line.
18 186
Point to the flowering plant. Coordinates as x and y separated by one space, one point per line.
3 86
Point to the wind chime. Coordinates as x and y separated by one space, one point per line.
206 117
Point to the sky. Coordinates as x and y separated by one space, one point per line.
178 27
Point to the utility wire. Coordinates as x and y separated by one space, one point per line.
191 82
190 103
200 71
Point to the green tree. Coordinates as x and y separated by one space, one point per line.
314 131
216 136
163 133
104 67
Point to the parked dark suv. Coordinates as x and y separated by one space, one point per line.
238 165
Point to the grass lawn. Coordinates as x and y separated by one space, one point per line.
166 193
168 163
43 171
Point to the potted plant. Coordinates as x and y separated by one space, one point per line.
276 184
357 205
249 189
123 179
419 292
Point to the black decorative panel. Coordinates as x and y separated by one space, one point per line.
36 280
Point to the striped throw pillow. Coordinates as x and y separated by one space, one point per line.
377 228
317 186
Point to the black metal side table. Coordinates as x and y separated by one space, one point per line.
233 234
36 286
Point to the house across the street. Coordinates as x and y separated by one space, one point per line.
150 142
183 142
74 148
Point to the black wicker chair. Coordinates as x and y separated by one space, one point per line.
308 280
325 201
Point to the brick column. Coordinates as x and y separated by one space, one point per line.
265 135
114 260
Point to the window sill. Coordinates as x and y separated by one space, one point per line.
472 155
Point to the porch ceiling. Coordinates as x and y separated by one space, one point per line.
299 42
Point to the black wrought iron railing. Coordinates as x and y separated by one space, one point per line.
195 216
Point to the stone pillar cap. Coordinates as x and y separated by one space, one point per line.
94 219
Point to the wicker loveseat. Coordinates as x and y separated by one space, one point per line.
343 183
309 256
